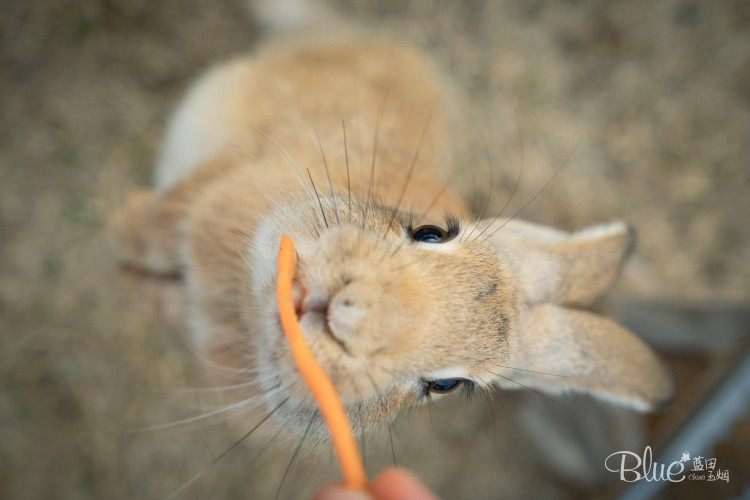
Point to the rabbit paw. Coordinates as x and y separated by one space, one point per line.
141 237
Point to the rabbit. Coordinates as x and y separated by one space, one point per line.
345 146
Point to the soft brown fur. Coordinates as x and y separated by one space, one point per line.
367 122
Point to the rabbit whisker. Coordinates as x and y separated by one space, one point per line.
295 453
328 175
536 371
488 397
518 179
489 195
217 388
362 447
393 448
225 452
409 173
376 139
322 212
225 411
546 185
566 408
348 178
291 162
429 411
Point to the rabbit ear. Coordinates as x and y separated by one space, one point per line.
562 268
556 349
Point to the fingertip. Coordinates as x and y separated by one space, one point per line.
339 492
399 484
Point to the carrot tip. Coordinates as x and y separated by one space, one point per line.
317 381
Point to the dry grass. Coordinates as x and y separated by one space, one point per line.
654 102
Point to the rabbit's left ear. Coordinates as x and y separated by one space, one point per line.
556 267
557 349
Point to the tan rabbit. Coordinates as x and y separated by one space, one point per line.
345 146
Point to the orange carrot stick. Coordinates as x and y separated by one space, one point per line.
317 381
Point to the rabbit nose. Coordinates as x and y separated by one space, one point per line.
345 312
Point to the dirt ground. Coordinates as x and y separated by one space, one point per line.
645 105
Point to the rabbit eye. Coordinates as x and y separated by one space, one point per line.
429 234
443 385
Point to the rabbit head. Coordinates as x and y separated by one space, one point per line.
398 308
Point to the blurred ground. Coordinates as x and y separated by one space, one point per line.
653 101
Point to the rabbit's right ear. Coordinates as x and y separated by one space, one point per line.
562 268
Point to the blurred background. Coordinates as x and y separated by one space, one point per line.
643 107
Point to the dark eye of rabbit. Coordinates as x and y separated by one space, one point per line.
444 385
429 234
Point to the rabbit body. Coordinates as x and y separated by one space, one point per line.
346 148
